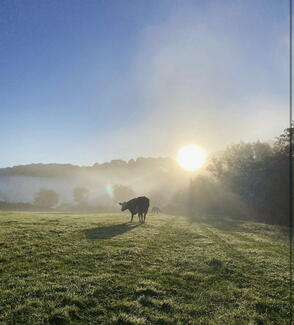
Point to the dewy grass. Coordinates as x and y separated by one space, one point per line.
100 269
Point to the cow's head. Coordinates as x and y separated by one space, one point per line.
124 205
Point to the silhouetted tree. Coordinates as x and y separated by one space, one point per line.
122 193
81 194
282 143
46 198
259 175
157 198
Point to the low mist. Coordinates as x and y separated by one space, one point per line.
155 177
246 180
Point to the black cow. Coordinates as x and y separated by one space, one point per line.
138 205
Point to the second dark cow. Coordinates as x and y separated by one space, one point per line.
155 210
138 205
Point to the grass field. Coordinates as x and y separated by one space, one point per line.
100 269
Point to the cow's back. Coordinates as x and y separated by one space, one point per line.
139 204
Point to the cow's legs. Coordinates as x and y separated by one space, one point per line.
145 216
132 217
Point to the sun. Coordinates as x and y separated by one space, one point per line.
191 157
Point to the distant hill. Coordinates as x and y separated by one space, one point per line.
68 170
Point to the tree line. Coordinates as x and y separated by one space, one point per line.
69 170
246 180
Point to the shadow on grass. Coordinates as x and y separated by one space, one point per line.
248 226
107 232
223 223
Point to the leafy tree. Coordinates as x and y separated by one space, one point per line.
282 143
46 198
122 193
81 194
156 197
259 175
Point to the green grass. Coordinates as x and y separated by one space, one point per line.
100 269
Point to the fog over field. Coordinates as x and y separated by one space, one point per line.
23 188
20 184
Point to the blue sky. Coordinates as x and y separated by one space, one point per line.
89 81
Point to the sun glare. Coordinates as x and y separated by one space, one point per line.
191 157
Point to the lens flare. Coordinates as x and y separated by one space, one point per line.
109 189
191 157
